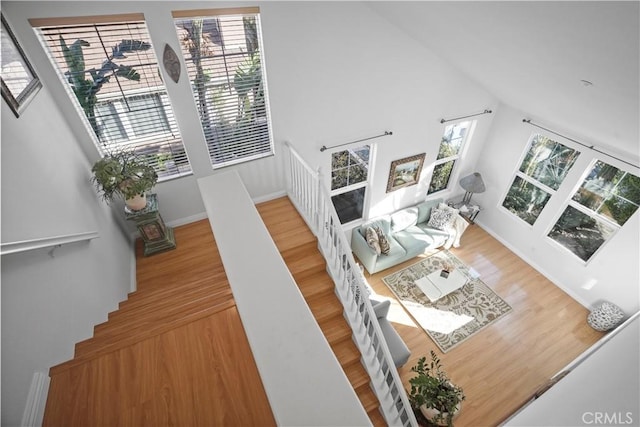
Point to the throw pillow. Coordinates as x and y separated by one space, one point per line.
382 240
453 210
372 240
440 219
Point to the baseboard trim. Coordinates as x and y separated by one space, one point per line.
533 264
203 215
36 400
269 197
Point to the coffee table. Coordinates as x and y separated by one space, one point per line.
435 286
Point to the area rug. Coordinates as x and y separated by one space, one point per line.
455 317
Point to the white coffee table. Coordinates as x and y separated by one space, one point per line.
435 286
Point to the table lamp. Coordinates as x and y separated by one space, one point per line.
471 184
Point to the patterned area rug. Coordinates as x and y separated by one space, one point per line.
454 317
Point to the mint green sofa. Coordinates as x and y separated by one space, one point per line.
407 233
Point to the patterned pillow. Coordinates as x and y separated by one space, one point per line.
372 240
382 240
440 219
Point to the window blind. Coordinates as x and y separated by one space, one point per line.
110 69
223 54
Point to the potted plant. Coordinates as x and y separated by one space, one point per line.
124 174
433 393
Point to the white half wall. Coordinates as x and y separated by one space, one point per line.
603 390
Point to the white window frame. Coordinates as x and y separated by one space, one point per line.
586 211
249 148
456 158
363 184
518 174
158 140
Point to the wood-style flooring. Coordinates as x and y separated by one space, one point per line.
175 352
502 366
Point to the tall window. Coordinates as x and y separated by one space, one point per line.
224 57
543 169
602 204
450 148
111 72
349 176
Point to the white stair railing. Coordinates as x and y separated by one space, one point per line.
312 200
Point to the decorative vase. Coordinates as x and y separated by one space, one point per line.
605 316
432 415
137 202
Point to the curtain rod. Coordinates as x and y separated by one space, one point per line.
464 117
386 132
591 147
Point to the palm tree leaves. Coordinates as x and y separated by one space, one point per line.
86 89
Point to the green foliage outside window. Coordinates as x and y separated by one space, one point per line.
448 152
548 162
580 233
440 177
349 167
608 196
610 192
525 200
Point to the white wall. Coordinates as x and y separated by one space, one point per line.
49 303
336 72
614 267
329 82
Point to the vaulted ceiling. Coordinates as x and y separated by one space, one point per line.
535 56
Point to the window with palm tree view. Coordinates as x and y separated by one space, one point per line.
545 165
602 204
108 66
223 53
453 141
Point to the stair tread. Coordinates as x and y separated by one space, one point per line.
160 309
155 330
167 301
158 320
357 375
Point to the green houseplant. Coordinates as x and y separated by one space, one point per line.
433 393
124 174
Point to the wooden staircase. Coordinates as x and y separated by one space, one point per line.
298 247
175 351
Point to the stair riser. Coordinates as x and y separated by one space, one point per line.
139 327
129 340
169 300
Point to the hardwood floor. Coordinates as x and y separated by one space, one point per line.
299 249
501 367
175 352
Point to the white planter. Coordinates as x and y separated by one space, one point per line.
137 203
430 414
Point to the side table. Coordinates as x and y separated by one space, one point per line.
156 235
467 210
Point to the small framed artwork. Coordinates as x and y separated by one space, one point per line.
19 80
405 172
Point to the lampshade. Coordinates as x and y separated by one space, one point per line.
473 183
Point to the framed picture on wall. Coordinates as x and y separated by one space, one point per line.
19 80
405 172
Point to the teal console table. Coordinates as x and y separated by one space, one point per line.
156 235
